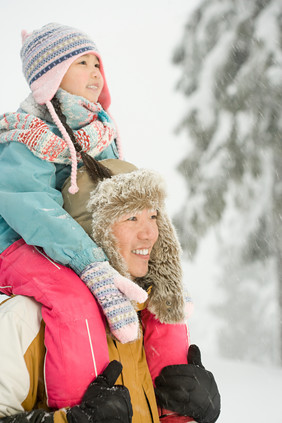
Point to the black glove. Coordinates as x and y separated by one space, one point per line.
103 402
189 389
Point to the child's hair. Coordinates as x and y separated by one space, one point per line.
95 169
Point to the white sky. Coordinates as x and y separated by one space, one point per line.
136 41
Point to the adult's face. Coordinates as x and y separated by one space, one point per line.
136 235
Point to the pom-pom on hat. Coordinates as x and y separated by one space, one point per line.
46 55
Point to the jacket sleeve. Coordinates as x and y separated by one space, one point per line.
16 336
32 206
37 416
22 356
165 344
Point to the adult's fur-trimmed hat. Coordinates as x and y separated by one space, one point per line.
131 190
46 55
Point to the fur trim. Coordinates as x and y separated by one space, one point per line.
130 193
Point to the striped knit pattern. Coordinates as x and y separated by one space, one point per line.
50 46
95 136
43 143
120 313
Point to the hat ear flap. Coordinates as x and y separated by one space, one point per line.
165 275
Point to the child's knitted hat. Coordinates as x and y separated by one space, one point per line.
47 54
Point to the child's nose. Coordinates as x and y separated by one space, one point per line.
95 72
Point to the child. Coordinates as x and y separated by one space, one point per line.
45 254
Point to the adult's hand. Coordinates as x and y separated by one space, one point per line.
104 402
189 389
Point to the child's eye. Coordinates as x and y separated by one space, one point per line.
82 62
97 65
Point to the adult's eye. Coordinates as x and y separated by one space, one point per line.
132 219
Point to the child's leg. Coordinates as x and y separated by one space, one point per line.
75 336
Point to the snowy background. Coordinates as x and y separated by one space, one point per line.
136 40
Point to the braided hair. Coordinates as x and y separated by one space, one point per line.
93 167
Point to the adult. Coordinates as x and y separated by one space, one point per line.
126 216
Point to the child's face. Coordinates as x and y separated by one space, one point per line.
83 78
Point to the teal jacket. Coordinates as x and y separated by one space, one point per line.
31 207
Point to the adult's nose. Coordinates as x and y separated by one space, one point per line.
149 231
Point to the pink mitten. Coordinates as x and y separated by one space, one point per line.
113 292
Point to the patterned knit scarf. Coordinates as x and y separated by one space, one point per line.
92 127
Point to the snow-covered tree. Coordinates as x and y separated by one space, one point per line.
231 75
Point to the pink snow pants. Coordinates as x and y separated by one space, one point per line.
75 338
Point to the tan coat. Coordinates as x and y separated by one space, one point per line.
136 377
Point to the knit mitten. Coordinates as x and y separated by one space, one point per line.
114 292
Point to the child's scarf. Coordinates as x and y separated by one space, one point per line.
92 127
